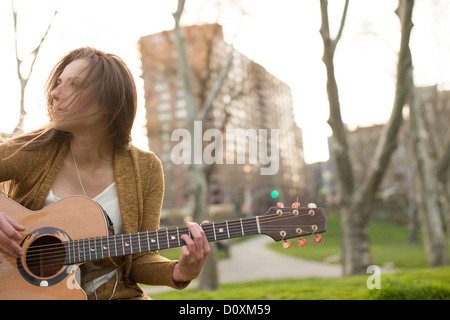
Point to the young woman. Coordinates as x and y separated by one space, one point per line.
86 150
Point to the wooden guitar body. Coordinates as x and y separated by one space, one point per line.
33 277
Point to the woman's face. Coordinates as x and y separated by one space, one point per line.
71 109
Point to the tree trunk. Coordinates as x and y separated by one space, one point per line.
209 279
427 197
427 187
356 204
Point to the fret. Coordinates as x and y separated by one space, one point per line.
257 224
78 246
124 244
142 242
228 229
130 245
178 236
148 241
77 249
94 249
85 249
108 248
157 239
71 253
102 247
81 251
242 227
115 245
90 249
139 242
214 230
74 249
168 241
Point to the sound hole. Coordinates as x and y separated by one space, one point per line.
45 256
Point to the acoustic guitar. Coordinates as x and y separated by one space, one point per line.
73 231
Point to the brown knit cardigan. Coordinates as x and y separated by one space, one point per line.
140 187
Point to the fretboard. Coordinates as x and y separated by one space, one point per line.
91 249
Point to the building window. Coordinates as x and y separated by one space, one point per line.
161 86
180 114
164 116
164 96
180 104
164 106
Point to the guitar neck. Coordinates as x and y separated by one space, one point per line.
85 250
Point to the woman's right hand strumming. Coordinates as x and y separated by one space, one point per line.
9 234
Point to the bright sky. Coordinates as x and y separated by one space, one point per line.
281 35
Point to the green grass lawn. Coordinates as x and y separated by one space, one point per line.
388 245
433 284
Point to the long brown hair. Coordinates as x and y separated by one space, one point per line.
109 82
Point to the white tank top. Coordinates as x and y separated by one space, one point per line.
109 201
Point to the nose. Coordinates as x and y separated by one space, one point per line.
56 92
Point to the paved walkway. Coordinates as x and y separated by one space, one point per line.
251 260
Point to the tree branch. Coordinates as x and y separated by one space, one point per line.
339 139
185 68
341 27
387 142
35 52
207 106
24 79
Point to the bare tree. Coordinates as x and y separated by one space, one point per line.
209 276
23 78
431 159
356 203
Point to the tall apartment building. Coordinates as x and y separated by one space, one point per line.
250 99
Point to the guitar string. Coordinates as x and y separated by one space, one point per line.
232 225
235 224
234 228
61 258
61 261
163 242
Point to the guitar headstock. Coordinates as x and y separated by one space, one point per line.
282 223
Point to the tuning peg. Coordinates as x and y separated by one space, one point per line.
312 205
280 205
317 238
296 205
301 242
286 244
